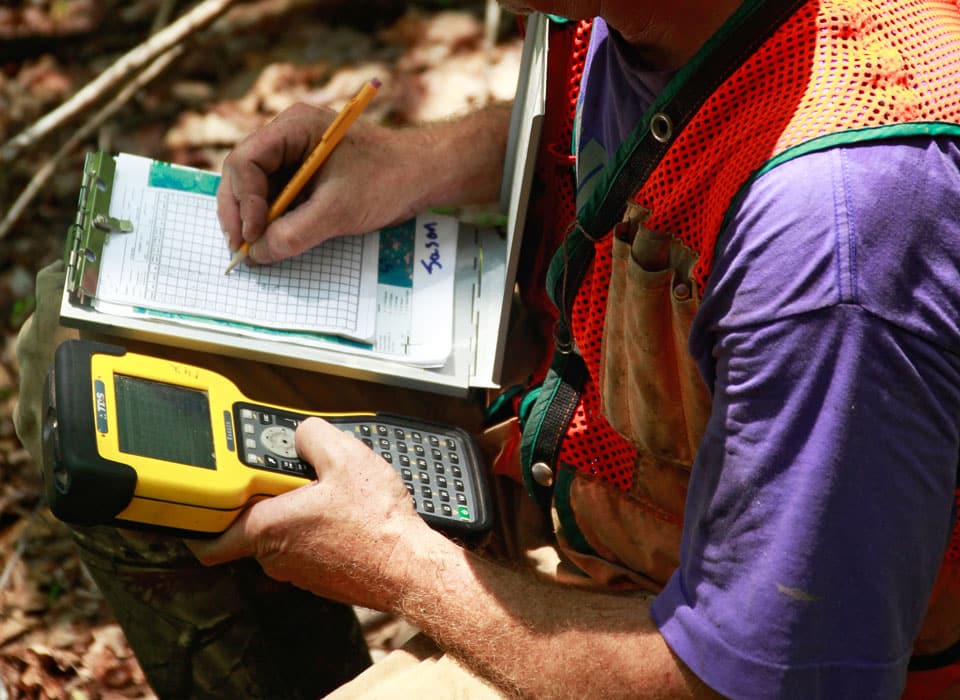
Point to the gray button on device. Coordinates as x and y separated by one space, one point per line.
542 473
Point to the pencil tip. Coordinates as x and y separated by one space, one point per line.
235 260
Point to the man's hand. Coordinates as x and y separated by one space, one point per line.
363 185
374 177
348 536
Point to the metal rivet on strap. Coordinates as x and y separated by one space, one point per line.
542 473
661 127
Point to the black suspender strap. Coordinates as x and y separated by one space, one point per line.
739 38
547 423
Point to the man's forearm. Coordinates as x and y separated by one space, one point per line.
530 637
465 157
537 639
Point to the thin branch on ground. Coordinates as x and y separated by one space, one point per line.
43 174
253 14
132 61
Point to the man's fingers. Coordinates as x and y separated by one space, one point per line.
320 443
245 184
280 241
235 543
253 216
259 530
294 232
228 213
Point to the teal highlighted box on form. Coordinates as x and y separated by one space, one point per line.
173 177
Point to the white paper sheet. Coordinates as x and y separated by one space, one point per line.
385 294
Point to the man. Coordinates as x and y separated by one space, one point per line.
754 406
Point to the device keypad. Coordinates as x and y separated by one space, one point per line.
429 458
429 462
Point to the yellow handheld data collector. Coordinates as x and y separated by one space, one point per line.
144 442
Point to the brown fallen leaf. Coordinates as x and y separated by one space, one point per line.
14 625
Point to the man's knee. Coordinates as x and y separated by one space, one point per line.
36 343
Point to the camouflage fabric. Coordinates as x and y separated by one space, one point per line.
220 632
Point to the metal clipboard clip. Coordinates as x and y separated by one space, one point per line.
93 223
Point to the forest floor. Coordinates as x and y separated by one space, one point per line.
436 60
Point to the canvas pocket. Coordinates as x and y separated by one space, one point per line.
651 390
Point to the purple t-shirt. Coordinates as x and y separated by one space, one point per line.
821 500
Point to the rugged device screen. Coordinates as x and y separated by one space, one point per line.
163 421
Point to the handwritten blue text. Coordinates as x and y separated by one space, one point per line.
434 245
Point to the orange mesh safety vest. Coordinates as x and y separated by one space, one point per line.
553 197
819 73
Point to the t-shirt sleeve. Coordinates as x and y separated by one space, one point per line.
821 500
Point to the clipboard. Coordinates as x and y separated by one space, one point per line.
484 279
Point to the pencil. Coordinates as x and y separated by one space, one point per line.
331 137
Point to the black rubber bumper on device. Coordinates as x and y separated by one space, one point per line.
80 486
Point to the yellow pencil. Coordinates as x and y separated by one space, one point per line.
331 137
